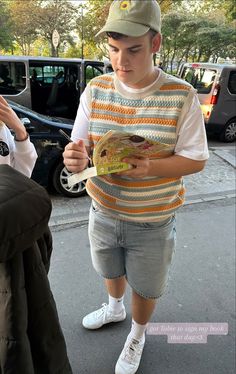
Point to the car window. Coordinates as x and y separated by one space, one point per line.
12 77
201 78
46 73
92 71
232 82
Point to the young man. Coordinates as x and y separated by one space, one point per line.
132 224
16 151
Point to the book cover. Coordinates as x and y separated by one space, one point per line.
115 146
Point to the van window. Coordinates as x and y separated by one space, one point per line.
92 72
200 78
232 82
12 77
45 74
54 88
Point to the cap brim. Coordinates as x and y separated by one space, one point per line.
125 28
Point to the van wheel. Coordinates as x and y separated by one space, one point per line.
228 135
60 182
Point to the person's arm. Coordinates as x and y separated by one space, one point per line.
76 153
170 167
23 154
9 117
191 151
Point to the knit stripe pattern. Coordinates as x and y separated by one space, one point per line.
155 117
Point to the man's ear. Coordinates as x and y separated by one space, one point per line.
156 43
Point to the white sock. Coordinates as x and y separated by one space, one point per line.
137 331
116 305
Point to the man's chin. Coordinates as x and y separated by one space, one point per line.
124 78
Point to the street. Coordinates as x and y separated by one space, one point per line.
201 289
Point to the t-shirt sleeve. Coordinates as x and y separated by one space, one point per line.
81 124
191 140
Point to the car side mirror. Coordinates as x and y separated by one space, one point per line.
27 123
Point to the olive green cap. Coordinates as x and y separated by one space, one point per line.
133 17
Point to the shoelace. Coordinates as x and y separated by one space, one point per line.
102 310
132 350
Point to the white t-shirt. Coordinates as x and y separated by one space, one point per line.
191 135
21 155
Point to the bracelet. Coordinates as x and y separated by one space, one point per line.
17 140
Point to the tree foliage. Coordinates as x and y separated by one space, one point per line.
23 18
193 30
197 36
6 35
55 15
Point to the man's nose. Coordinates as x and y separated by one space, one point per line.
122 59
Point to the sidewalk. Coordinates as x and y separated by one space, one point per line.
201 290
217 181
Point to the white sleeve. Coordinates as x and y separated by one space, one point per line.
192 140
23 155
81 124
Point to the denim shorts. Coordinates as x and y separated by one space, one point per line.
140 251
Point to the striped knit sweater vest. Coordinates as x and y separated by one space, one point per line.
153 116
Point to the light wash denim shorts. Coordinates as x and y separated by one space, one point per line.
140 251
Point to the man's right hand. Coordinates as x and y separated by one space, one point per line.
76 157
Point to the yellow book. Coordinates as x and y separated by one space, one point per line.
113 147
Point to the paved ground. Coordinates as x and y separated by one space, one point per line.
201 290
216 181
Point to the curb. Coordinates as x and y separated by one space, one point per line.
58 224
226 156
196 199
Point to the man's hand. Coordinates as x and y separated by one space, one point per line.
9 117
76 157
170 167
140 167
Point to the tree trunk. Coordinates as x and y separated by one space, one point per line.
53 50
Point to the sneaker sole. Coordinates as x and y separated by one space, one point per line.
103 324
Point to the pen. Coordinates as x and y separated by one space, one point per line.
70 140
65 135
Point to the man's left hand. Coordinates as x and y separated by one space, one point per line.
140 167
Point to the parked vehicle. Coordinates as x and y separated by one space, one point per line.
50 86
49 170
216 87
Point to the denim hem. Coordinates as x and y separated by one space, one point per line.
142 295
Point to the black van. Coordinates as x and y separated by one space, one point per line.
216 88
50 86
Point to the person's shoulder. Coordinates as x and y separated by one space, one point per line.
171 80
102 80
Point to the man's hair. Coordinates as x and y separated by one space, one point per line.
118 36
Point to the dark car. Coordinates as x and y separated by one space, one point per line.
49 170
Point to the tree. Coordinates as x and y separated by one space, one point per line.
5 26
190 38
23 18
215 41
56 15
175 40
92 17
230 10
168 5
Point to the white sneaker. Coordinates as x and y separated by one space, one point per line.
130 357
100 317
